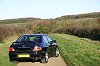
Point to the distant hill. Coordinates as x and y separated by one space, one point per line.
86 15
18 20
31 19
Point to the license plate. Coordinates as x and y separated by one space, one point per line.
23 55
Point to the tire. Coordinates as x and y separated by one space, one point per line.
10 60
13 61
56 52
45 59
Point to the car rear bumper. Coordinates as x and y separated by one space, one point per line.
34 56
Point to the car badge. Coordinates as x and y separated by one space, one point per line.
23 46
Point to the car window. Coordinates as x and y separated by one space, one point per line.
49 39
45 39
20 39
29 38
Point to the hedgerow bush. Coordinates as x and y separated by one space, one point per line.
45 26
85 29
10 30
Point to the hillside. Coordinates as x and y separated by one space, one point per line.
19 20
79 16
31 19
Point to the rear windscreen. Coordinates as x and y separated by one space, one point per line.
29 38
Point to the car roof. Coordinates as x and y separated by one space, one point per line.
35 34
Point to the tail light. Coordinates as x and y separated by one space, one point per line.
11 49
37 48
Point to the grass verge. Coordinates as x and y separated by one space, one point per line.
78 51
4 56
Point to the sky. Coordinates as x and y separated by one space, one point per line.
10 9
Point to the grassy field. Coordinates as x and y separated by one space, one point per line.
76 51
4 48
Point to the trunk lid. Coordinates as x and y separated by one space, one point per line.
24 46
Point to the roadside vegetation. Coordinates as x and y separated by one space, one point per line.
11 30
78 51
4 48
85 27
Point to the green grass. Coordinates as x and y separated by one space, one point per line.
78 51
4 56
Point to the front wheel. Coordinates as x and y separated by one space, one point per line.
45 58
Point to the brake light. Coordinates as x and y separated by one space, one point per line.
11 49
37 48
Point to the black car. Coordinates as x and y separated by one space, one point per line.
33 47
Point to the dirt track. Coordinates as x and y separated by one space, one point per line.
53 61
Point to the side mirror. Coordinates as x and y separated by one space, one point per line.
54 41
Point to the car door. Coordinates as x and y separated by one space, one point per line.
52 45
47 44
